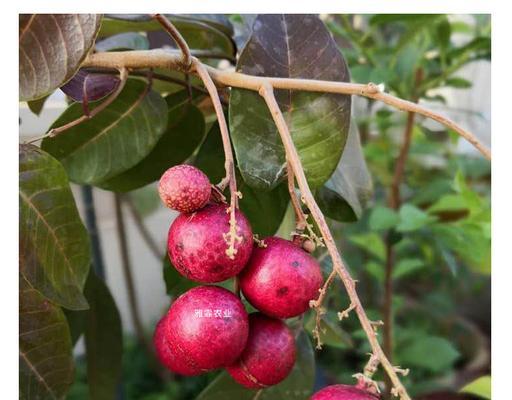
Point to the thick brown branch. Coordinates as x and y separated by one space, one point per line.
159 58
266 91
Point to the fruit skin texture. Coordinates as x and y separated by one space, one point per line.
281 279
344 392
168 355
269 355
207 341
184 188
197 248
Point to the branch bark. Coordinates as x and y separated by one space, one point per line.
159 58
266 91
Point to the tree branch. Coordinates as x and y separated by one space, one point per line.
176 36
159 58
266 91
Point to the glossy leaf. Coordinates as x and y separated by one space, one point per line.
345 194
123 41
90 86
198 34
290 46
54 245
51 48
113 141
46 368
103 340
297 386
184 132
264 209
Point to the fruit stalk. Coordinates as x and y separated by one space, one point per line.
267 92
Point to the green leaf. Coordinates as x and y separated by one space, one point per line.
371 242
449 202
51 49
115 140
331 333
197 33
406 267
264 209
480 387
297 386
458 82
380 19
210 157
290 46
432 353
46 368
36 106
345 194
123 41
103 340
412 218
54 245
184 132
443 33
382 218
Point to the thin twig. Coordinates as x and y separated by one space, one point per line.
232 236
176 36
144 232
123 76
266 91
159 58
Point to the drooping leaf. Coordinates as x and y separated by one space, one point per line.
433 353
46 368
103 340
345 194
370 242
113 141
458 82
198 34
290 46
51 48
264 209
90 86
297 386
480 387
54 245
123 41
184 132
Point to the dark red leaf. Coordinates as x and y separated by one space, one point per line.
90 86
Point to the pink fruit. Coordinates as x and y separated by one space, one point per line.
208 327
197 245
281 278
184 188
344 392
167 355
269 355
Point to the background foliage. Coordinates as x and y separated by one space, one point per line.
437 241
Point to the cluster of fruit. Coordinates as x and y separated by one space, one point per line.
208 327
